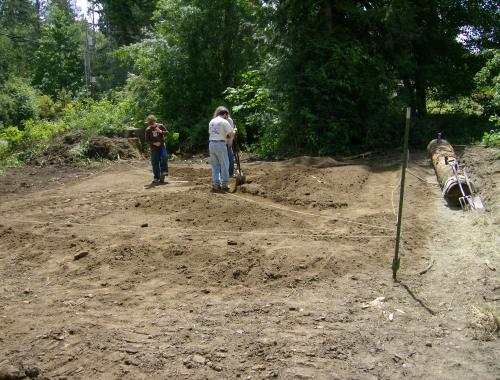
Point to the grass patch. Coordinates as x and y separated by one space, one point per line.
485 319
483 240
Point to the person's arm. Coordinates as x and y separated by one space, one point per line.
148 137
160 128
230 135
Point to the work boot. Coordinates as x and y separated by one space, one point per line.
216 189
162 177
225 188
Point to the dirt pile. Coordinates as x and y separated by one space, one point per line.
71 147
483 164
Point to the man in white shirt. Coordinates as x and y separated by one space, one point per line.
220 130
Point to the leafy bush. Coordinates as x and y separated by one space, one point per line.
172 141
488 82
18 102
46 107
31 139
139 99
198 136
96 117
492 138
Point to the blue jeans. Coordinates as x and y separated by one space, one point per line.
159 158
230 156
220 162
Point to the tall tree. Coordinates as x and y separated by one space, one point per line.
196 50
419 39
124 21
332 94
338 65
17 26
59 59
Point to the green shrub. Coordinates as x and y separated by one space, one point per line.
492 138
199 135
172 141
18 102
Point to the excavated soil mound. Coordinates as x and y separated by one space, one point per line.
67 148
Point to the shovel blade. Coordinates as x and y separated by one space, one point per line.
478 203
471 203
240 179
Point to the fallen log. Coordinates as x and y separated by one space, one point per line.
442 156
362 155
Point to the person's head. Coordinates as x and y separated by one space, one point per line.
224 113
219 109
151 119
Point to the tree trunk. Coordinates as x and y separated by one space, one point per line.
420 96
328 15
442 152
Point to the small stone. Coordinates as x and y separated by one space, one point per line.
232 242
428 344
80 255
32 372
8 371
144 225
199 359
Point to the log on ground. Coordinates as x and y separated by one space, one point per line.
441 151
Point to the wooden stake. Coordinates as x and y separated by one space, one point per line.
395 262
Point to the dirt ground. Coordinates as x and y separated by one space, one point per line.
289 276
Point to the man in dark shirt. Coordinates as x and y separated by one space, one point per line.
155 137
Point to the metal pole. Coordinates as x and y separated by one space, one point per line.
87 49
85 64
395 262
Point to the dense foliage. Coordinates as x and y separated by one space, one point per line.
314 77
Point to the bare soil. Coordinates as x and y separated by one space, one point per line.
289 276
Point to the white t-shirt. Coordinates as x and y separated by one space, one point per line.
219 128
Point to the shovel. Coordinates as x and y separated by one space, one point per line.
476 201
240 178
466 201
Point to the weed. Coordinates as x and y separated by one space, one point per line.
486 321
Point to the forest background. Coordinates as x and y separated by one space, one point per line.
300 77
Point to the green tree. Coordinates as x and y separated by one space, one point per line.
341 72
17 26
196 50
124 20
59 59
331 94
488 82
419 40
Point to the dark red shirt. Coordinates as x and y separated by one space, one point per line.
154 136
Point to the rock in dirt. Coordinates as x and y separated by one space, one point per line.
198 359
376 302
80 255
10 372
